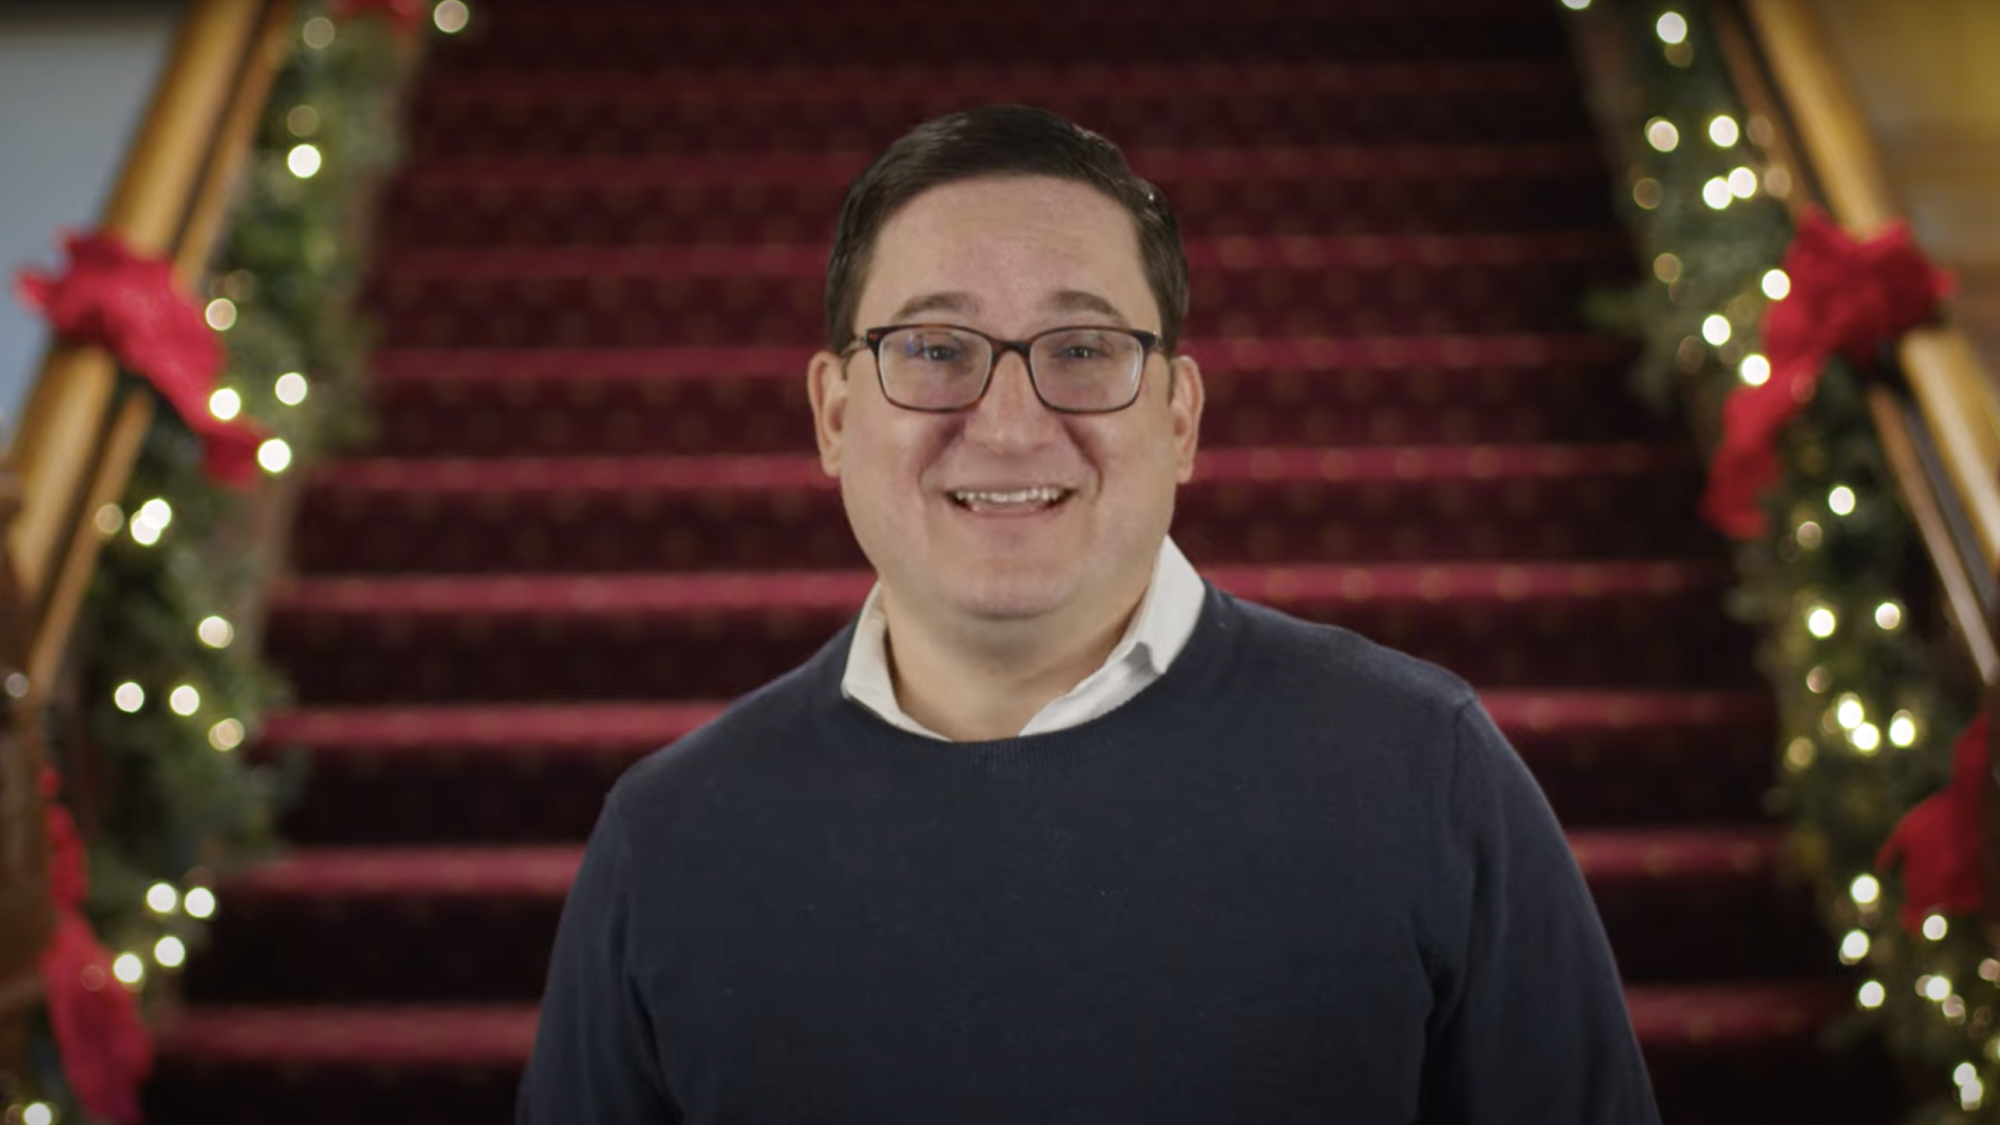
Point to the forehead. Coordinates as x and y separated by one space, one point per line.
1008 240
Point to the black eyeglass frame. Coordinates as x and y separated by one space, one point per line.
871 339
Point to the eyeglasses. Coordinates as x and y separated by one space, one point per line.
942 368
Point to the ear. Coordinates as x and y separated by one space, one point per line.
826 386
1184 403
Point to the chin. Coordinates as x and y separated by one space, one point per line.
1010 597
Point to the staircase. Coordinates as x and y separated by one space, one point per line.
593 515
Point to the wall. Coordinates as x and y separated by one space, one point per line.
1926 74
74 82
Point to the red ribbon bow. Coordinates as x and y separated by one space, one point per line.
1848 298
130 306
106 1052
1938 841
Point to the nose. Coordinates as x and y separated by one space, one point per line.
1009 416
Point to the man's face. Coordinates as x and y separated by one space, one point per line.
1010 257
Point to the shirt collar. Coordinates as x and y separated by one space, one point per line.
1160 627
1155 635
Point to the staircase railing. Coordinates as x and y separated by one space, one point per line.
1939 430
1942 437
81 429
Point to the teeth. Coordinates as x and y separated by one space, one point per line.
1045 495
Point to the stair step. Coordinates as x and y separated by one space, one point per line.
1329 391
644 38
1717 1051
1685 902
336 1065
1714 1049
416 1034
490 730
378 923
724 295
387 925
1651 756
527 638
1263 505
528 773
624 596
793 197
861 108
808 260
1733 1013
1136 81
1221 167
1530 718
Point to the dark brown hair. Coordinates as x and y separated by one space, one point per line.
999 140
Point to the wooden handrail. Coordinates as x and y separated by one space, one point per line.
1901 447
1957 397
1829 122
181 163
79 437
1955 394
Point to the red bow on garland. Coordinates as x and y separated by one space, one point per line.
130 305
405 14
1848 298
106 1052
1938 841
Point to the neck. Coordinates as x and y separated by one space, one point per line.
985 681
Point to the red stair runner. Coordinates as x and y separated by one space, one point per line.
592 515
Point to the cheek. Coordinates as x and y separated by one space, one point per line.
1135 455
890 450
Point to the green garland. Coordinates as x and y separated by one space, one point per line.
1839 589
171 688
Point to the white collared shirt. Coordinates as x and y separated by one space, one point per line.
1156 634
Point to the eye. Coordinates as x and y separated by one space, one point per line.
933 348
1083 349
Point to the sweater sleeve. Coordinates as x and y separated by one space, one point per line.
1529 1022
594 1057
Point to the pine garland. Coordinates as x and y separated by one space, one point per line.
171 692
1869 700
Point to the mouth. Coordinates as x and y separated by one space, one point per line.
1015 501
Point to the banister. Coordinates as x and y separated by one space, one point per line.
203 223
79 437
1954 393
1823 110
75 443
1900 446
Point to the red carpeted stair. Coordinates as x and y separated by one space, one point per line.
593 514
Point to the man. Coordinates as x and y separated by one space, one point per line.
1054 832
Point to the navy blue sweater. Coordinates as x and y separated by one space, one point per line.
1300 878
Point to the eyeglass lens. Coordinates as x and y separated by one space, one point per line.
1080 369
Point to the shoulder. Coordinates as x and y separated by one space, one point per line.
1389 715
1335 672
736 747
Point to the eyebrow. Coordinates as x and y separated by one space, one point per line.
959 302
952 301
1079 300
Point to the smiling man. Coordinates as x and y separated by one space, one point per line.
1056 832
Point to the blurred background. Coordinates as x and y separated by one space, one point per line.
424 441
